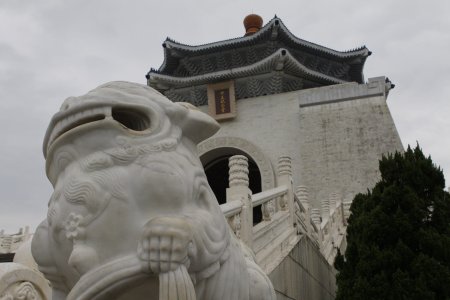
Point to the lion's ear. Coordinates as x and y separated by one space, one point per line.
196 125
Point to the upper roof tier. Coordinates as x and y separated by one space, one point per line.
240 57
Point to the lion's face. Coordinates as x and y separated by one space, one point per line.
118 115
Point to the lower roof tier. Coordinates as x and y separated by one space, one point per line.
279 73
248 87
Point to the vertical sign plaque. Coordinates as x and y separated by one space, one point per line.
221 100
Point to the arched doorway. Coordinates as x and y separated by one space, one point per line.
215 163
207 154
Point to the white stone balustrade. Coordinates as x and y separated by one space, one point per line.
276 232
285 214
347 205
333 228
9 243
269 195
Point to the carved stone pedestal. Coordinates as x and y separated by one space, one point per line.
18 282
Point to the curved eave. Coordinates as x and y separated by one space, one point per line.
358 52
358 74
274 26
280 60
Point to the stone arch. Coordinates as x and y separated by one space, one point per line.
242 145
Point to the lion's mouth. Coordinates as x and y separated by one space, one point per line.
77 119
129 117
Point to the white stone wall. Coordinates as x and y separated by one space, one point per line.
304 274
335 135
269 122
341 144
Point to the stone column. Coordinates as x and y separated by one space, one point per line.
333 201
239 191
285 178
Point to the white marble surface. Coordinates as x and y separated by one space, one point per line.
18 282
132 215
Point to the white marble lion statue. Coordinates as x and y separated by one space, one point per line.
132 215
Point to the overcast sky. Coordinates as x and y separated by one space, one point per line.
53 49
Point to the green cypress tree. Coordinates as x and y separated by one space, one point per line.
399 234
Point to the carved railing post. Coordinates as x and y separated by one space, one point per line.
333 201
239 191
285 178
268 209
302 195
315 217
325 209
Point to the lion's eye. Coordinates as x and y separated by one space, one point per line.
131 118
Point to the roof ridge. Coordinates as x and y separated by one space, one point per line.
317 46
250 37
177 45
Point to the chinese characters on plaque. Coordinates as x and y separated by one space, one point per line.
221 100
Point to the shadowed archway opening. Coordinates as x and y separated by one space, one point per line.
216 169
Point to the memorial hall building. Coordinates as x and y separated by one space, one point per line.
274 95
